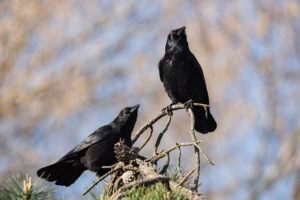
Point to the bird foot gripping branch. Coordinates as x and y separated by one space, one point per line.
134 170
183 78
189 104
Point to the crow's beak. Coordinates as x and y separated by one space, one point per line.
135 108
181 30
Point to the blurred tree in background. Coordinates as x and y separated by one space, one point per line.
68 67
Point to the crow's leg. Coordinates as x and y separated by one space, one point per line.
188 104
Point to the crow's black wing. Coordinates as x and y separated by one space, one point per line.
160 68
198 84
99 135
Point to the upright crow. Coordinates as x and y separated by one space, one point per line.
95 151
183 78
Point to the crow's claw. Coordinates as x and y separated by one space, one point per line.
188 104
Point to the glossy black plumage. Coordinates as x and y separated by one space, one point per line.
95 151
184 80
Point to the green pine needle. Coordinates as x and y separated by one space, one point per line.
23 188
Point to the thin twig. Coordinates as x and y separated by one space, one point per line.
197 153
189 193
147 140
100 179
166 165
158 140
165 152
146 126
201 105
160 115
204 154
109 166
119 166
184 179
179 159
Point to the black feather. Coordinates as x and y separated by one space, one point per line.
184 80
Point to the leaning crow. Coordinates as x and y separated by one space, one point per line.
95 151
183 79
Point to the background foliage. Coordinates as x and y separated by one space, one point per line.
68 67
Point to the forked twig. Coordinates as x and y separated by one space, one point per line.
147 140
178 106
165 152
157 156
204 154
101 178
197 153
158 140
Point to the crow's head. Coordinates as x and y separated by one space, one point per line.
177 40
127 117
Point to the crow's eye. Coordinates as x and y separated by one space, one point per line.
175 36
127 110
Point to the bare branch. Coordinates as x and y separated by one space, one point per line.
204 154
159 116
101 178
165 152
166 166
190 194
179 159
184 179
158 140
147 140
197 153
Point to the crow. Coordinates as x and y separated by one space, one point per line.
184 80
95 151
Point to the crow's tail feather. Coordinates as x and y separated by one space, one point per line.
204 123
63 173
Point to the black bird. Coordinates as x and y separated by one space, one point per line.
183 78
95 151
